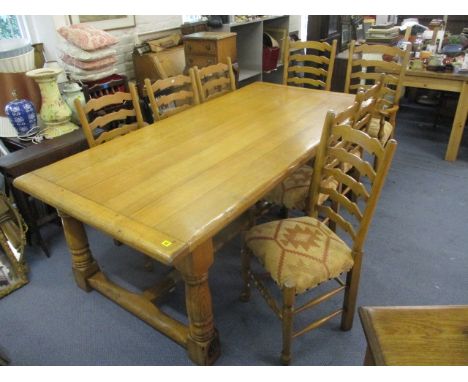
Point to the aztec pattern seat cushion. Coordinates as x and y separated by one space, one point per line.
293 191
301 252
374 130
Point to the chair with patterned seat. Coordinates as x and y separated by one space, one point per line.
292 192
314 68
301 253
215 80
110 116
366 64
172 95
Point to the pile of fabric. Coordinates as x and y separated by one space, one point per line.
87 53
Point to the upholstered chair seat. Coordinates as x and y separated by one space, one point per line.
375 131
292 192
299 252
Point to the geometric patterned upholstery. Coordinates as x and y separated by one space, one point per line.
292 192
374 130
301 252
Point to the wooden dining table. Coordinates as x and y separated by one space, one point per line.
167 189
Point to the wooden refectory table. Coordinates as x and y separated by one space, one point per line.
167 189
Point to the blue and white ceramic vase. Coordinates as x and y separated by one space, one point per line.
22 114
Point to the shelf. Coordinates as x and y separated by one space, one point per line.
233 25
248 73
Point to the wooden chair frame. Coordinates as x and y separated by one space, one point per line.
329 152
291 55
215 80
393 80
180 92
96 104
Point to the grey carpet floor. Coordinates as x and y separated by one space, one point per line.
416 254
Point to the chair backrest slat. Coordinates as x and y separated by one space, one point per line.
346 226
357 187
342 200
111 99
309 81
104 120
215 80
115 114
320 69
172 95
114 133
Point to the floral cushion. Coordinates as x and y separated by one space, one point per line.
374 130
301 252
86 37
89 65
294 190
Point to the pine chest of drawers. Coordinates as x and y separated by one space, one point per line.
209 48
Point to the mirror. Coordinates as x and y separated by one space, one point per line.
13 269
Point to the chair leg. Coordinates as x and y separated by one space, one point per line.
245 264
350 297
289 297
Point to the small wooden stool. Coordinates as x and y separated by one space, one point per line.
415 335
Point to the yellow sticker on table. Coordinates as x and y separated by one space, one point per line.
166 243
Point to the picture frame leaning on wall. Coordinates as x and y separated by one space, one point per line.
13 268
105 22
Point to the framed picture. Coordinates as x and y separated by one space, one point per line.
105 22
13 268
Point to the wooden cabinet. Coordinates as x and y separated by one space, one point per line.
208 48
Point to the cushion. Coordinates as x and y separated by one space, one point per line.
294 190
89 75
83 55
374 130
301 252
86 37
89 65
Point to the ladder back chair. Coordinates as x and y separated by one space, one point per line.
314 68
117 114
172 95
301 253
215 80
99 89
292 192
366 64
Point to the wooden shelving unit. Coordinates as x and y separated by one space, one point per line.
250 43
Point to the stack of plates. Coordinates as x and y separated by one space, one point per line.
16 56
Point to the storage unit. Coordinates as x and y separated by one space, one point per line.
157 65
208 48
250 43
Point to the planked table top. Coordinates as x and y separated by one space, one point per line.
417 335
168 187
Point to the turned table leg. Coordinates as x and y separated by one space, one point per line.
83 263
203 342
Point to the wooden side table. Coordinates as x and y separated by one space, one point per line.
29 157
208 48
416 335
